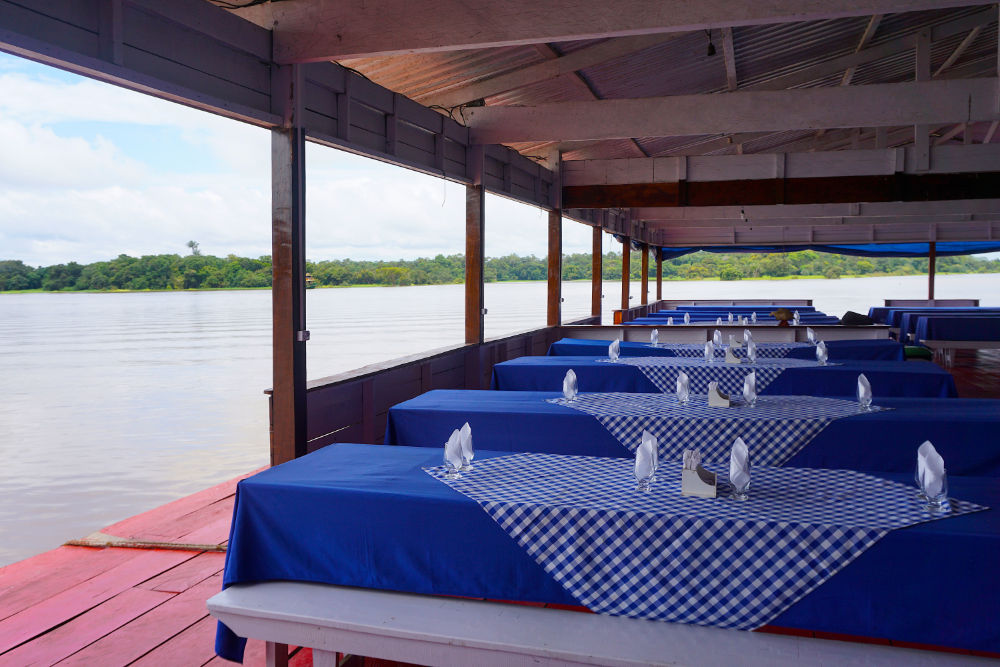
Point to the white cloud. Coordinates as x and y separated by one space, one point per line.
69 193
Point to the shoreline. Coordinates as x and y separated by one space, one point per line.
501 282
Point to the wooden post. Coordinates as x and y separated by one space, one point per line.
626 269
554 310
931 268
475 218
288 280
659 273
644 299
596 272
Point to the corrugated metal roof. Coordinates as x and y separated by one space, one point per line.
681 66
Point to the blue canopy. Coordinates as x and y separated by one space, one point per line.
943 249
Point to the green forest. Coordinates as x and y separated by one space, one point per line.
197 271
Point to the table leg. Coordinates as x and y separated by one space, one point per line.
275 655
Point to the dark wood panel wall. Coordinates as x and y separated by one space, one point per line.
353 407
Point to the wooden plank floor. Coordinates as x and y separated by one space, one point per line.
79 605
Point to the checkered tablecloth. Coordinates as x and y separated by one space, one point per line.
660 555
775 429
764 350
662 372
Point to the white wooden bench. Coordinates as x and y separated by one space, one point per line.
429 630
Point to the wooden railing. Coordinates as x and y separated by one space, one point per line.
352 406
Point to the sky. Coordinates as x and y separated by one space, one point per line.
89 171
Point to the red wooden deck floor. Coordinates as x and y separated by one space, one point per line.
122 606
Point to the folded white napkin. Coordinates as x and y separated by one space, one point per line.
670 321
821 355
750 388
468 453
730 318
739 465
654 336
930 471
717 338
687 318
753 317
864 391
453 452
747 336
743 320
752 351
795 317
709 351
569 385
718 320
715 397
683 387
692 459
645 457
614 350
811 335
651 444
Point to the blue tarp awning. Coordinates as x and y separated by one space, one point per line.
943 249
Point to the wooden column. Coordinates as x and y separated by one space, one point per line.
596 272
475 219
626 269
554 309
288 272
659 274
288 294
644 299
931 268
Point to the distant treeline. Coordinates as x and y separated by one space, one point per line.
196 271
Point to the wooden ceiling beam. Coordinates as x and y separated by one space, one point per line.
781 191
316 30
894 104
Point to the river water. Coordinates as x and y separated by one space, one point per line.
116 403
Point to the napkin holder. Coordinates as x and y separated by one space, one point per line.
716 398
698 482
730 357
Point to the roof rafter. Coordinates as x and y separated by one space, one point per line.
922 102
314 30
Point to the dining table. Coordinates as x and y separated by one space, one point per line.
813 435
774 376
832 551
870 349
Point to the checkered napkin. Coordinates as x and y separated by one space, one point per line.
660 555
764 350
775 429
662 372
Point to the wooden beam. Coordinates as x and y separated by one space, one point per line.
596 271
659 274
314 30
836 189
475 233
959 50
626 269
931 266
692 217
866 37
910 103
554 308
730 56
644 269
866 162
288 271
551 68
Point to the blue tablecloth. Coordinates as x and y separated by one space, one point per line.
966 327
888 378
965 431
894 316
361 515
745 308
909 321
874 349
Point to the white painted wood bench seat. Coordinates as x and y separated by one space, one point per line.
430 630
